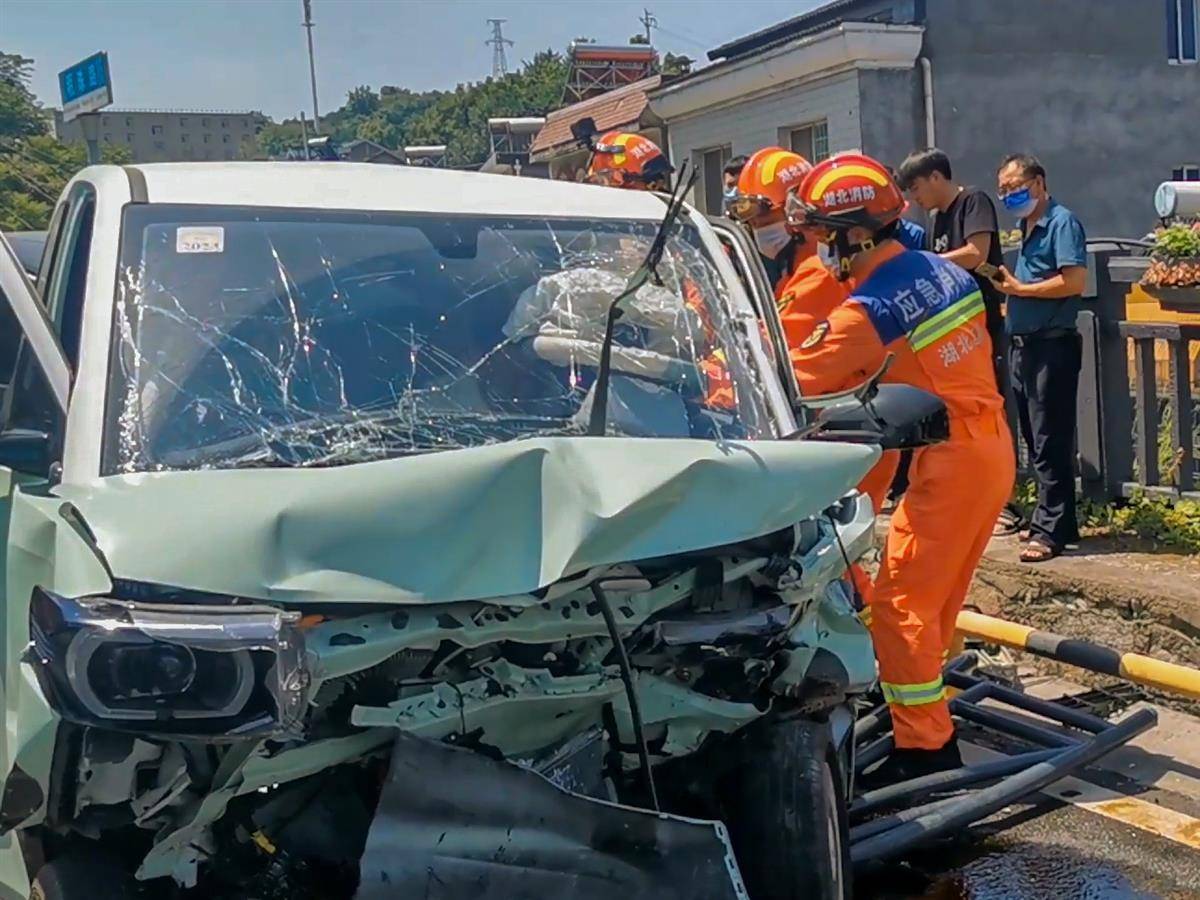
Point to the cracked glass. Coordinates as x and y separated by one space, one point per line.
265 337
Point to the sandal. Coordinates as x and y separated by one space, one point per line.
1008 522
1024 535
1037 551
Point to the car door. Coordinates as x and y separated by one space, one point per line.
62 287
32 423
749 267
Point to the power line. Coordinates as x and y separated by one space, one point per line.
497 42
33 185
55 168
687 40
63 169
24 221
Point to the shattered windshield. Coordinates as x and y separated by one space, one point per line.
266 337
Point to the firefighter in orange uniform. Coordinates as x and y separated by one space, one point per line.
929 314
807 292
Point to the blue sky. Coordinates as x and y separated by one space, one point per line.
238 54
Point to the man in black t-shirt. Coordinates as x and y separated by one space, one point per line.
965 231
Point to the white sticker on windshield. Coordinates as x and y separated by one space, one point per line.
200 239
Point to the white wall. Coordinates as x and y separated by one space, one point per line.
749 125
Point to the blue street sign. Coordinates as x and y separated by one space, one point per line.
85 86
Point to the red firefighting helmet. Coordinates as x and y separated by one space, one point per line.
766 181
847 191
624 159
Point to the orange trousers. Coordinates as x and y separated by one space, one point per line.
938 534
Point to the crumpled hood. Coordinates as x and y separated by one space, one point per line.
493 521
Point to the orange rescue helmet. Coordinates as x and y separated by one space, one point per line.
844 192
847 191
624 159
767 179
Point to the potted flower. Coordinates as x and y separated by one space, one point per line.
1173 276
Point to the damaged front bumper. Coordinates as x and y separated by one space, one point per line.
555 684
717 637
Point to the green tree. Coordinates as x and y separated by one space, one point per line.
275 141
362 101
33 172
676 65
396 117
20 114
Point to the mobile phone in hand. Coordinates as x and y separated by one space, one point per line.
987 270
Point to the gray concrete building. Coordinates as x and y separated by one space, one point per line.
1106 92
172 135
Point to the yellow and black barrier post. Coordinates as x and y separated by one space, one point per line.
1143 670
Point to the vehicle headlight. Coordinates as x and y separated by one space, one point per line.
220 672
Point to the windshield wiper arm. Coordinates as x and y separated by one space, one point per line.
598 420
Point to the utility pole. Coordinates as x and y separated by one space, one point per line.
497 42
312 65
649 21
303 134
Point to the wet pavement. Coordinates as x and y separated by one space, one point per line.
1049 849
1044 851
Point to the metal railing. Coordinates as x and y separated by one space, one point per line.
1122 402
1148 445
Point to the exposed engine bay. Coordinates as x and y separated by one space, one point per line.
717 640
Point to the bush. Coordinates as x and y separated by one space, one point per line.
1175 258
1173 524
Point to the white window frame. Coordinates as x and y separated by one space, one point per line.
818 137
1191 171
1185 8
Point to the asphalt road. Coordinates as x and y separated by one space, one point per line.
1039 852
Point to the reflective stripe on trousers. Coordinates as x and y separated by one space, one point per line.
914 694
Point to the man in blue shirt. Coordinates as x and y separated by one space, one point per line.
1044 296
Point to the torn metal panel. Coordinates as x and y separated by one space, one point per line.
109 767
455 825
245 769
340 647
518 710
689 715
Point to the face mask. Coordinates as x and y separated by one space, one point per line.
1020 203
771 239
826 255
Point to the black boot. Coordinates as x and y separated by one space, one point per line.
906 764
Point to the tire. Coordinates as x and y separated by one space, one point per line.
82 875
787 817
